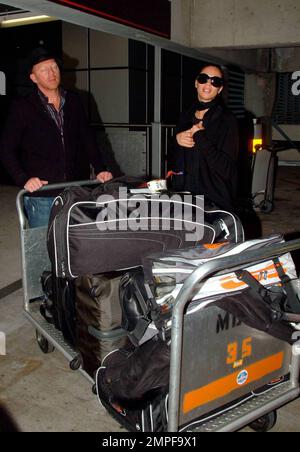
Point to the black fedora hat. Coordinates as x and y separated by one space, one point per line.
41 54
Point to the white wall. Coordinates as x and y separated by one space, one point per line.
185 26
245 23
181 22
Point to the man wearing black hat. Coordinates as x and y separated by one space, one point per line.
47 139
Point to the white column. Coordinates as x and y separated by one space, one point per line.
156 125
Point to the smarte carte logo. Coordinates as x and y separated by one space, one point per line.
242 377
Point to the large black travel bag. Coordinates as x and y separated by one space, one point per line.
100 230
132 384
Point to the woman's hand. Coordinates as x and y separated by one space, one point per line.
199 126
104 176
186 139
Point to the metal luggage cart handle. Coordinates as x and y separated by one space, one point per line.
24 230
191 285
61 186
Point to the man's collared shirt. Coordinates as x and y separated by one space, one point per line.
56 115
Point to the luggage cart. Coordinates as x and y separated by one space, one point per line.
264 172
35 260
262 409
228 400
264 175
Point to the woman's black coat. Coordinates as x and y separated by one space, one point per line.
210 167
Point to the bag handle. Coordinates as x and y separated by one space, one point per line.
263 293
292 299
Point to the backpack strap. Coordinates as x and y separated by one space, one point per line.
143 304
292 299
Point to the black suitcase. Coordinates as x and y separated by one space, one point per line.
58 307
98 319
132 384
80 238
88 314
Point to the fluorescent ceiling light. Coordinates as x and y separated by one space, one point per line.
25 20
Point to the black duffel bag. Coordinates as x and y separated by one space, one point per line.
93 231
132 384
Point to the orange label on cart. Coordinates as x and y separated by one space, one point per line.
214 246
231 282
224 386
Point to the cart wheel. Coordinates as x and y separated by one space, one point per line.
43 343
266 207
76 363
265 423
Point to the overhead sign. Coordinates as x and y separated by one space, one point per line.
152 16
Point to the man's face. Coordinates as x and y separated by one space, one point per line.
207 92
46 75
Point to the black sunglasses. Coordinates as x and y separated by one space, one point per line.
217 82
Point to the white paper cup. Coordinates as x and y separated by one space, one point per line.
157 185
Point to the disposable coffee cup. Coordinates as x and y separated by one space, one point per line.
157 185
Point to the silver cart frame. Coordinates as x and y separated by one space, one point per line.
35 259
236 418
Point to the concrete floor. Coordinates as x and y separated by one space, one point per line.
9 238
40 391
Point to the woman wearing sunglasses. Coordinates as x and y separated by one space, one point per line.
207 143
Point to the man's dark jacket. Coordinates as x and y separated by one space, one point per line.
210 167
31 144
